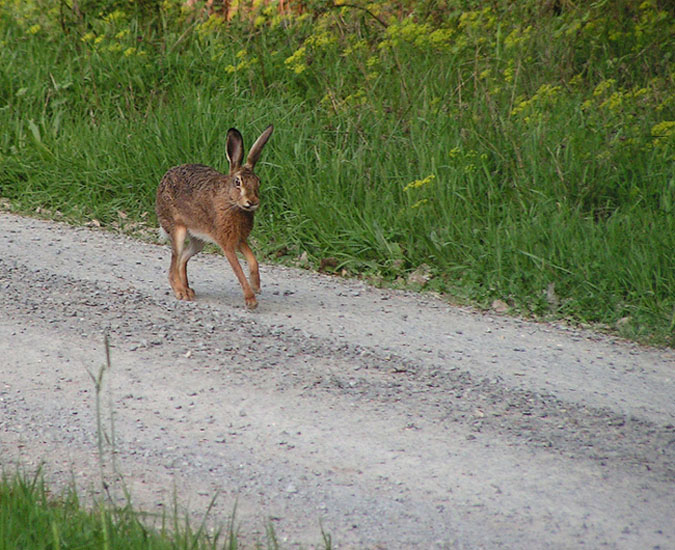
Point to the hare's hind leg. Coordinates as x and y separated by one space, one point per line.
177 270
194 246
254 273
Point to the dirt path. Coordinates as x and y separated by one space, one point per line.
392 419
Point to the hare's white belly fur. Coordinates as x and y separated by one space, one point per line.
163 235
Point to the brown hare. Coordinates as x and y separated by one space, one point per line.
197 201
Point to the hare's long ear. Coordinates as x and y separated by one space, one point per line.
235 149
256 149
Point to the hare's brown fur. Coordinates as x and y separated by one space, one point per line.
197 201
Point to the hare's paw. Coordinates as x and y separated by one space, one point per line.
184 293
251 302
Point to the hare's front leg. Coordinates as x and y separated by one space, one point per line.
249 296
254 273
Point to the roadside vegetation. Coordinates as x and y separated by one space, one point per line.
511 153
33 517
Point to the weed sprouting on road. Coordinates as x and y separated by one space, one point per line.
523 151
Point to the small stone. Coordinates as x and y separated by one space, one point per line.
623 322
500 306
551 296
303 259
421 276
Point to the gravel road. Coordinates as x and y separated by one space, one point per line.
391 419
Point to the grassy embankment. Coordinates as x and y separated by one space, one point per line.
520 151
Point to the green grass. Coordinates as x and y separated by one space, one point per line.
32 517
549 133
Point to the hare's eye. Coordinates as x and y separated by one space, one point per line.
237 182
